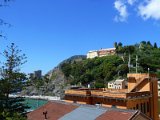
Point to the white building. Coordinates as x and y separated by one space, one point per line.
106 52
92 54
111 85
101 52
117 84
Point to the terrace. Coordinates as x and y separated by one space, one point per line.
123 93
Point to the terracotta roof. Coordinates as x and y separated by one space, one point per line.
58 110
116 115
55 110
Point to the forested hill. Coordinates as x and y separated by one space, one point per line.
99 71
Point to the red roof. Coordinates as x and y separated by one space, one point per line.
55 110
58 109
116 115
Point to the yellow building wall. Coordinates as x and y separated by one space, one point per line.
132 104
150 85
81 102
146 87
105 105
154 99
121 107
68 101
131 83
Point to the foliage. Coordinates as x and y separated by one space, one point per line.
16 116
11 82
148 56
98 71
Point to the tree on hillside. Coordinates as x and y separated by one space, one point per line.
120 44
115 44
143 42
155 45
149 43
66 68
11 81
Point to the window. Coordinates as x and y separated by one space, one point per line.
137 106
144 105
147 106
114 106
141 107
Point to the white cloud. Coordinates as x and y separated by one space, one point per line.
146 9
131 2
151 9
122 10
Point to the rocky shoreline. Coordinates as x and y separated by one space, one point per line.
38 97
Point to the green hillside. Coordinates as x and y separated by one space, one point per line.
77 70
99 71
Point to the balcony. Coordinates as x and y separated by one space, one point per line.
122 94
78 92
138 94
110 94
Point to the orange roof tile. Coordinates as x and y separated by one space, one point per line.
55 110
65 111
115 115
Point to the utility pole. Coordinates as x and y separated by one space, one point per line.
148 74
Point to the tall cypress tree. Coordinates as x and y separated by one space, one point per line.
155 45
11 81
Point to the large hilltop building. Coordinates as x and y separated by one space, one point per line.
101 52
142 94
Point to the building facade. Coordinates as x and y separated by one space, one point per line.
141 95
36 75
111 85
101 53
92 54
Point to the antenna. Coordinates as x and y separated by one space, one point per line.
148 73
129 62
136 63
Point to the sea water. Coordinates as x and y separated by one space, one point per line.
34 103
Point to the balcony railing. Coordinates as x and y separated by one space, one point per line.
78 92
138 94
107 93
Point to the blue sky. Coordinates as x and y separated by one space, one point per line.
49 31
